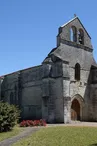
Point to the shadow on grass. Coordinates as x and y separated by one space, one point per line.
93 144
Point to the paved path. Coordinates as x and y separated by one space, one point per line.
77 124
30 130
14 139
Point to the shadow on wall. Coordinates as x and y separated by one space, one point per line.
88 113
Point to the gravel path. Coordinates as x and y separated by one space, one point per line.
14 139
76 124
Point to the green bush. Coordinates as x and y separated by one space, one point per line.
9 116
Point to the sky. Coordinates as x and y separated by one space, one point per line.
28 29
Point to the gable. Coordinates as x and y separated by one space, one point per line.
65 32
72 51
74 19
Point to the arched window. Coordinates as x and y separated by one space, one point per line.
73 34
81 36
77 71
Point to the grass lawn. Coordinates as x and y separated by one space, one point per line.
16 130
61 136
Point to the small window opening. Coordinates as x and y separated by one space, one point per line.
11 98
77 72
81 36
73 34
45 101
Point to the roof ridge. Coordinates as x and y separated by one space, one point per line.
69 21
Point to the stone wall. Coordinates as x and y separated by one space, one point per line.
93 95
52 105
10 86
24 87
31 92
73 53
64 32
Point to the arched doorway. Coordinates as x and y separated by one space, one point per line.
75 110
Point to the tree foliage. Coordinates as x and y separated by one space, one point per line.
9 116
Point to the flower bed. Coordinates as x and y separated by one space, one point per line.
30 123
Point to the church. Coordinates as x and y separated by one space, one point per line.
64 87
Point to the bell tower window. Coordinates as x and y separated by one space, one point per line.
73 34
81 36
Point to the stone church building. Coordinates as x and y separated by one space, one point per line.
64 86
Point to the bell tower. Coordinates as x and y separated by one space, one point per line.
74 31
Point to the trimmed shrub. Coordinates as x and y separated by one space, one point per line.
30 123
9 116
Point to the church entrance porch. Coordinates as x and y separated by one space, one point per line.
75 110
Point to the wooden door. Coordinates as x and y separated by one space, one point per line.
75 110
